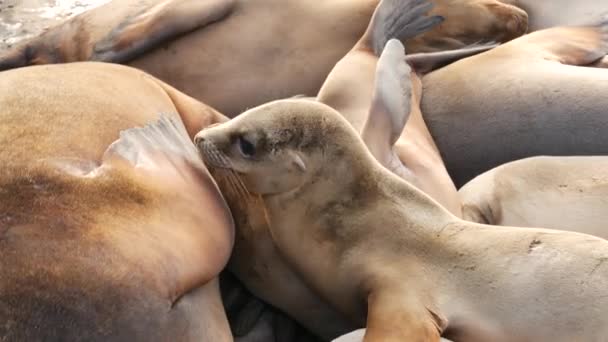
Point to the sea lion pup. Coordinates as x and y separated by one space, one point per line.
380 250
221 49
549 192
99 237
255 260
540 103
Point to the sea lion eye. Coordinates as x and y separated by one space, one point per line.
247 148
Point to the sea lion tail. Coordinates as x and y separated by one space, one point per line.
167 136
401 19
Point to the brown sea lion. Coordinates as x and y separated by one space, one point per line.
549 192
217 48
255 259
99 239
381 251
540 103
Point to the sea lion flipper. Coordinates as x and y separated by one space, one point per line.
348 88
573 45
426 62
115 32
400 19
158 24
391 99
167 135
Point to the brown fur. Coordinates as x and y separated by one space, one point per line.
376 248
102 256
542 96
301 40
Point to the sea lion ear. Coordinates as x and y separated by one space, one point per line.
391 101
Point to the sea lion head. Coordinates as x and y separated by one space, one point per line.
278 146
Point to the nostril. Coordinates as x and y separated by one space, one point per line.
198 139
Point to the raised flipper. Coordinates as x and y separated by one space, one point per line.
162 156
390 108
573 45
349 86
116 32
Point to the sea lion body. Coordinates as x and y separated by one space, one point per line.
542 102
549 192
93 246
543 14
357 87
223 50
381 251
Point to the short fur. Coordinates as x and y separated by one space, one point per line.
192 45
550 192
99 244
542 102
374 246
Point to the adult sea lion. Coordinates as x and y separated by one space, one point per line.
382 252
540 103
549 192
222 49
99 237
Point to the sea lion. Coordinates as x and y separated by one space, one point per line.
382 252
255 259
549 192
381 100
540 103
544 14
99 237
222 49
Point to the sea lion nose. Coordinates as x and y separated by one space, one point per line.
199 139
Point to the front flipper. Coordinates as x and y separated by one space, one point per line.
156 25
194 222
116 32
573 45
390 108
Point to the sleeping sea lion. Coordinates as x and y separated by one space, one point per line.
214 49
527 97
99 237
549 192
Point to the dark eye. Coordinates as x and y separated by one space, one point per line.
247 149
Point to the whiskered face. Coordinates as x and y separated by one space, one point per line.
261 146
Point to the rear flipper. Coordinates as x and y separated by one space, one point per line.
573 45
116 32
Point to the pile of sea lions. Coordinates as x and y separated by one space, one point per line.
295 170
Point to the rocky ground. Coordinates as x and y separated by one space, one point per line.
21 19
